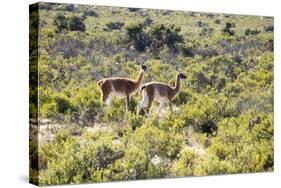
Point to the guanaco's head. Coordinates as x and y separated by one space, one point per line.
181 76
143 67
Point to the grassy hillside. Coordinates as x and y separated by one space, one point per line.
223 116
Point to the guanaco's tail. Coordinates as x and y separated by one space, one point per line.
100 82
142 88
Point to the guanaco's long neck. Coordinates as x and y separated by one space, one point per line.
176 89
139 79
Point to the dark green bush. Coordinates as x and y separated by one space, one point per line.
114 25
70 8
252 32
63 103
228 29
137 37
133 9
269 28
90 13
76 24
187 50
155 38
46 6
61 23
165 35
148 21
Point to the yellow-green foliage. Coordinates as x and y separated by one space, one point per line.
223 116
238 139
185 165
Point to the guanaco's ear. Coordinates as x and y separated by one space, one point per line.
182 76
144 67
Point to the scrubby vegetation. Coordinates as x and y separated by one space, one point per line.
223 117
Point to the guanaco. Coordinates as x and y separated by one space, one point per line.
120 87
161 92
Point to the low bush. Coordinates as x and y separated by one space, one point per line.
237 149
114 25
76 24
61 23
186 164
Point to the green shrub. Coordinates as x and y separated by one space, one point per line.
162 35
148 21
251 32
48 110
115 112
172 122
70 8
90 13
186 164
63 103
74 161
203 115
211 165
269 28
155 38
187 50
133 9
76 24
228 28
137 37
137 165
114 25
220 82
135 121
61 23
236 146
157 142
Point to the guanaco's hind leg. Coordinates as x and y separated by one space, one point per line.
108 101
170 106
161 105
106 93
143 102
150 100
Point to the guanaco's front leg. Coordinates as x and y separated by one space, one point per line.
127 102
170 106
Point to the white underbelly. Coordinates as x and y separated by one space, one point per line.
117 93
160 98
